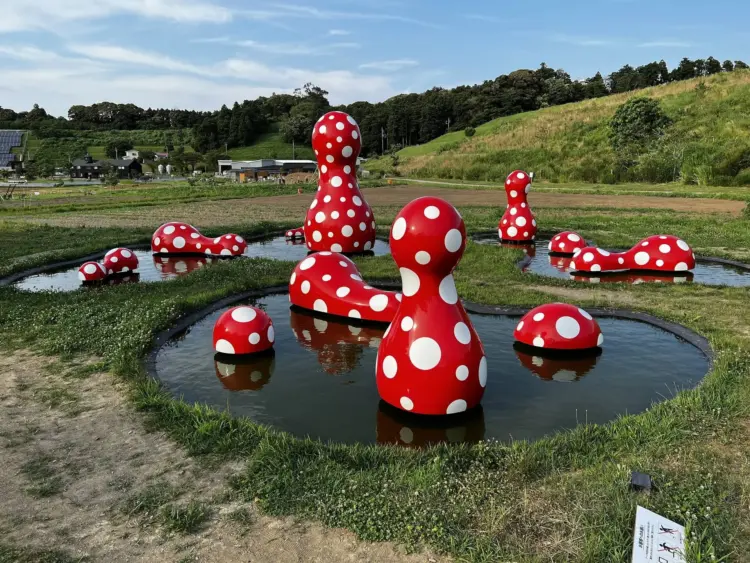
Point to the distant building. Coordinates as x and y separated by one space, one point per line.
131 154
243 170
161 155
87 167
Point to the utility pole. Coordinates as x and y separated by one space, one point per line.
226 148
293 153
448 123
382 141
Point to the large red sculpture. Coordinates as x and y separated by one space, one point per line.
559 326
181 238
329 282
339 218
517 223
431 360
566 243
660 253
243 330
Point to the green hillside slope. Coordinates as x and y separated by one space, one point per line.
271 145
709 142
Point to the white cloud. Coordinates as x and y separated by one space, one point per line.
339 32
581 41
296 49
665 44
297 11
390 66
484 18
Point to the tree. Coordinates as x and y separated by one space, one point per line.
146 156
728 66
739 65
595 86
712 66
470 131
637 123
117 147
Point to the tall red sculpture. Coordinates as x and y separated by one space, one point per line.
517 223
431 360
339 218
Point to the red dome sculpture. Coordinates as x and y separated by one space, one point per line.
329 282
517 223
120 260
566 243
298 233
181 238
559 326
658 253
339 218
243 330
91 272
431 360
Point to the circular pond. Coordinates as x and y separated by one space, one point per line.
321 380
279 248
538 260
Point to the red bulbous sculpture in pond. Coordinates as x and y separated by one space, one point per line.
431 360
517 223
120 260
339 218
659 253
181 238
298 233
243 330
91 272
566 243
559 326
329 282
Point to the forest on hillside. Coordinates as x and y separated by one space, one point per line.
387 126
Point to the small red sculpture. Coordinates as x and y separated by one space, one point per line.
243 330
661 253
559 326
431 360
518 223
181 238
329 282
91 272
339 218
298 233
120 260
566 243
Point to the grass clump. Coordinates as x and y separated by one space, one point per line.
185 519
150 500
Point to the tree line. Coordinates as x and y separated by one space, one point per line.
400 121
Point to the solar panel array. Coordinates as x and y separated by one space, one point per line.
8 140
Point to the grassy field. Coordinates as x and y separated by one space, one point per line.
563 498
707 144
271 145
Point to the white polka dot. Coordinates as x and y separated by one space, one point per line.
390 367
660 263
271 334
335 215
356 201
343 200
347 230
459 405
340 125
681 267
307 263
406 403
224 347
350 213
169 230
425 353
520 326
355 135
573 237
539 317
399 228
324 169
665 248
407 323
399 297
585 314
645 243
567 327
512 231
320 305
347 169
226 252
453 240
89 269
447 290
356 277
378 302
683 245
320 217
179 242
431 212
113 259
422 257
347 151
336 181
305 287
368 244
254 338
620 260
409 281
513 211
363 226
483 372
596 268
462 373
600 339
539 342
521 221
326 199
244 314
323 129
236 248
157 241
462 333
317 236
642 258
126 254
330 158
513 193
355 314
293 278
588 257
343 291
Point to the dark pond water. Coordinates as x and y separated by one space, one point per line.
321 381
539 261
154 268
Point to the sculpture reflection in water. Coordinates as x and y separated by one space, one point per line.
396 426
556 367
170 267
634 278
245 374
339 346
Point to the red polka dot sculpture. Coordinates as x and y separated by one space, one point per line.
329 282
119 261
559 326
517 223
243 330
339 218
659 253
91 272
431 360
566 243
298 233
181 238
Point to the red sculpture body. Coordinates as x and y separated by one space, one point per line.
120 260
91 272
659 253
566 243
517 223
329 282
431 360
181 238
243 330
298 233
339 218
559 326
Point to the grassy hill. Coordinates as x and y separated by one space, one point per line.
271 145
709 142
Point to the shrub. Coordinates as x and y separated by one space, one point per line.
742 178
470 131
637 123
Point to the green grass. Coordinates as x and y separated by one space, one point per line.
150 500
185 519
271 145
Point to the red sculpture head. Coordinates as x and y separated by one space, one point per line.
337 143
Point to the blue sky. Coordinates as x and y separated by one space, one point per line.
199 54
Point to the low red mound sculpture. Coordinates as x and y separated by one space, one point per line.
559 326
431 360
566 243
243 330
517 223
329 282
181 238
91 272
339 218
298 233
245 376
120 260
660 253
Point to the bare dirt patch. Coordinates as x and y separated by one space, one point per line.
77 464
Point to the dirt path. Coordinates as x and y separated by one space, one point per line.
79 473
